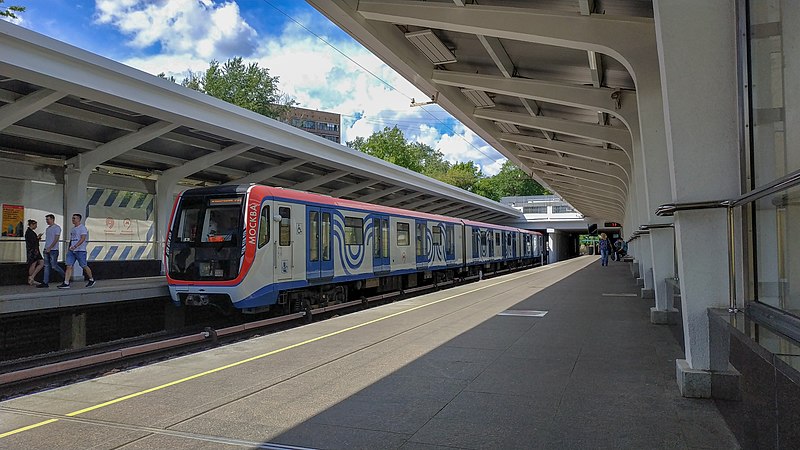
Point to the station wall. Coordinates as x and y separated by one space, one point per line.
120 214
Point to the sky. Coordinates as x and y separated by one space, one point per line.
318 65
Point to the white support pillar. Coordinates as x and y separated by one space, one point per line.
78 169
663 312
701 114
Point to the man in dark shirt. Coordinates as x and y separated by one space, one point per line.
35 260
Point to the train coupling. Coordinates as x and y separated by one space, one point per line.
197 300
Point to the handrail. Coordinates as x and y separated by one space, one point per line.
781 184
788 181
655 226
669 209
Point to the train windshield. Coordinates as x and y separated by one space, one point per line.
206 238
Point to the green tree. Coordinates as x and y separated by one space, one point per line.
245 85
510 181
10 11
390 145
464 175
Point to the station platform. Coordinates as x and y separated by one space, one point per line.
25 298
467 367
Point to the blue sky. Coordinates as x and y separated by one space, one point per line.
174 36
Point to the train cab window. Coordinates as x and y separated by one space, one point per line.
326 236
437 235
187 229
420 239
285 227
221 224
403 235
263 229
353 231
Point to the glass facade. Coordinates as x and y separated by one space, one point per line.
773 94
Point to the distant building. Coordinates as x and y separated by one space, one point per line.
321 123
543 208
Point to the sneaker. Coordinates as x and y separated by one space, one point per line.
43 285
90 283
63 286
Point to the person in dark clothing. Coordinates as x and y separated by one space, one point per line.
35 260
605 249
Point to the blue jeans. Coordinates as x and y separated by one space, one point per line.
51 260
603 257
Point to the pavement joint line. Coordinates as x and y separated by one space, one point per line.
160 431
504 279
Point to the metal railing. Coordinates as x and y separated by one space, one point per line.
781 184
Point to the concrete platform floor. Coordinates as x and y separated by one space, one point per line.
21 298
439 371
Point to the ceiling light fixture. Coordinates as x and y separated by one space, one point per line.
478 98
431 46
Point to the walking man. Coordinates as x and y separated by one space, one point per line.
52 235
78 238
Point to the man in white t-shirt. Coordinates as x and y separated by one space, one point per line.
52 236
78 238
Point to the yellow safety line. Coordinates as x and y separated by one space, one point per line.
218 369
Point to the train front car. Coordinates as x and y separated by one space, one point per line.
212 244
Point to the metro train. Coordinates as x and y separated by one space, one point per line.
266 249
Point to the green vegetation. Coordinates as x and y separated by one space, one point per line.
390 145
10 11
245 85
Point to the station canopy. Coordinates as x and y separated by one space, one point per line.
62 107
544 82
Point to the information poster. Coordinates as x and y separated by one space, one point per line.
13 220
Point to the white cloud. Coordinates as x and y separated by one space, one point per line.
190 33
205 29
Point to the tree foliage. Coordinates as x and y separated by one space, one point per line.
391 145
10 11
510 181
245 85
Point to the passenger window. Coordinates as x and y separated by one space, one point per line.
497 239
313 236
385 238
263 230
451 243
326 236
403 234
285 230
420 237
353 231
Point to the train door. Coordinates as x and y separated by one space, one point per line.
319 260
380 250
421 242
284 260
